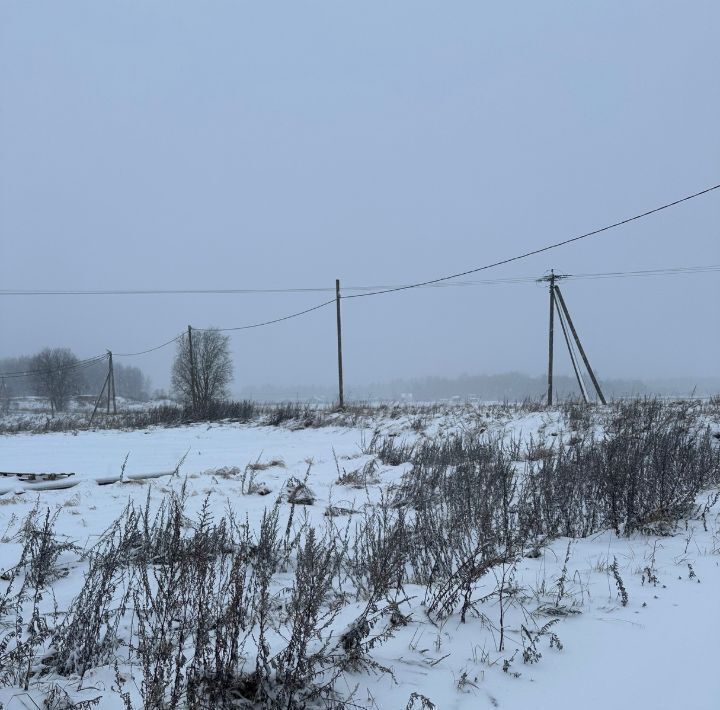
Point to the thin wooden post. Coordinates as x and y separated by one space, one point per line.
341 394
193 388
550 339
111 385
108 379
561 300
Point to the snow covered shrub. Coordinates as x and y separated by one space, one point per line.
287 411
389 450
195 605
644 473
377 563
360 477
651 464
25 612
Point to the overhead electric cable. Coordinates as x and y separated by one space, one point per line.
673 271
149 350
158 291
527 254
271 322
441 281
430 282
668 271
80 364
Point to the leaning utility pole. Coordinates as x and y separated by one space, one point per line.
566 313
193 388
573 356
106 383
341 394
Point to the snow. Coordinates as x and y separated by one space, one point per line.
659 651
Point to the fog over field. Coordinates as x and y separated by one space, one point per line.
251 146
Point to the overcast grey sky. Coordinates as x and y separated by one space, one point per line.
258 145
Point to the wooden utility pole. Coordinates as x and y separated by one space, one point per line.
111 385
341 394
565 311
193 388
551 334
551 278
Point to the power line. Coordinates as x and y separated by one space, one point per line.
367 290
69 366
441 281
79 365
270 322
673 271
523 279
223 330
149 350
668 271
160 292
196 292
541 249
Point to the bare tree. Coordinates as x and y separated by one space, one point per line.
213 370
56 376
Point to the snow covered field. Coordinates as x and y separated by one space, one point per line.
629 621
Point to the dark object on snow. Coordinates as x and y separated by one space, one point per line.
29 477
298 493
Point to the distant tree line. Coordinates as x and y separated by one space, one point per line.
511 386
55 373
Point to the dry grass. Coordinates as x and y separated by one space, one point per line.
265 465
